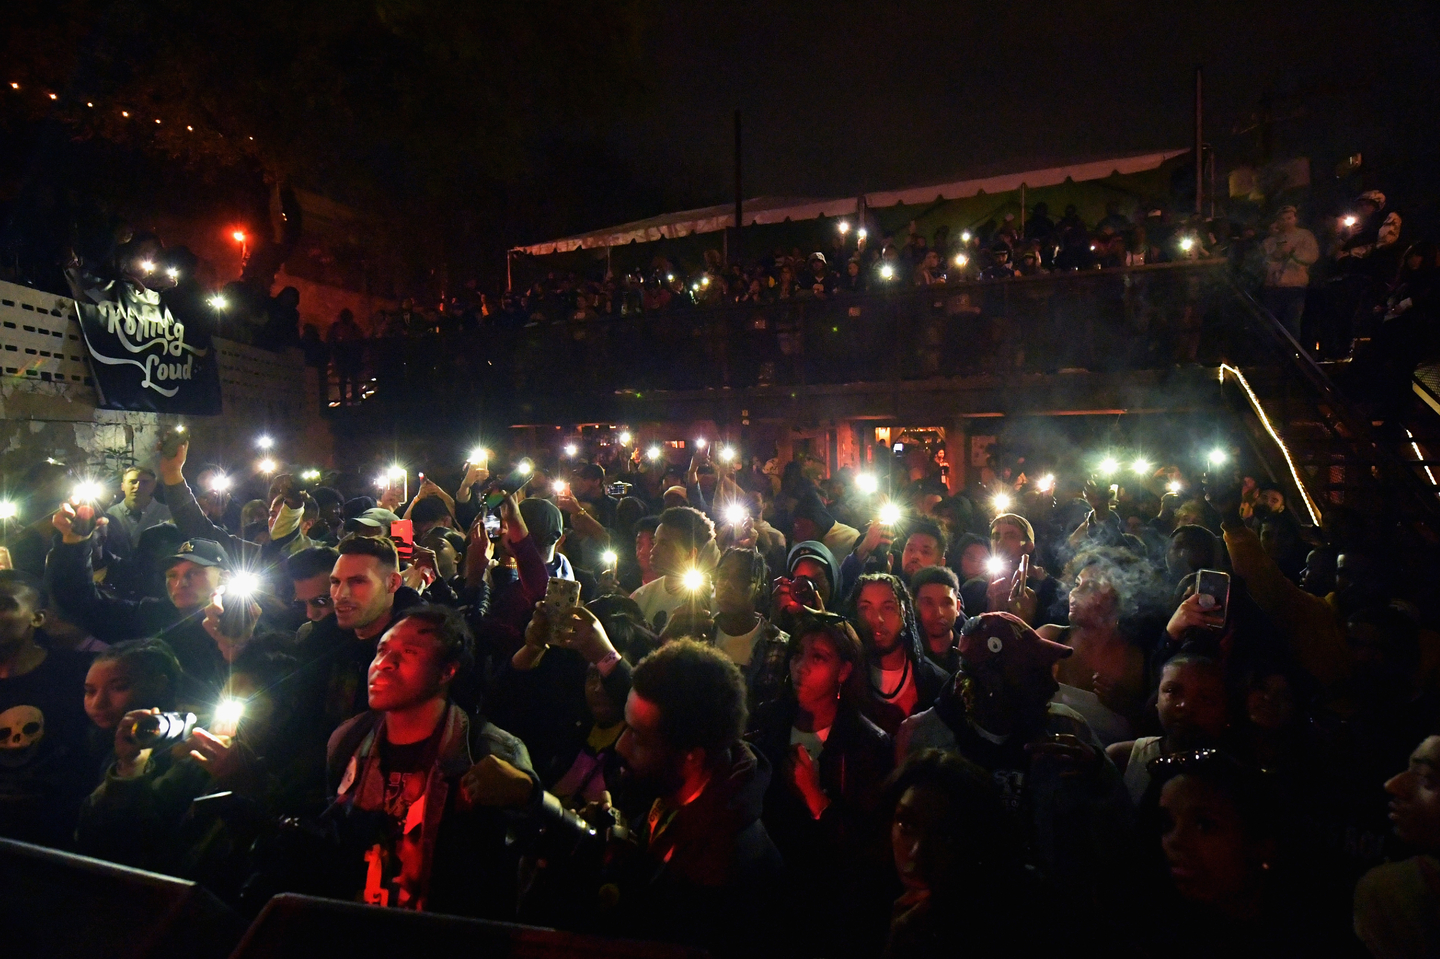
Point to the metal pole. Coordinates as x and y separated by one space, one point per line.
739 196
1199 141
509 280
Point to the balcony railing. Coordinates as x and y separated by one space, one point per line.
1122 319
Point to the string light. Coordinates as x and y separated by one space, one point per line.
125 113
14 86
54 96
1310 506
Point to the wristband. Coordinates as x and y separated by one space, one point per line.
606 664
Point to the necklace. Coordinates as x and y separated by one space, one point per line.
904 676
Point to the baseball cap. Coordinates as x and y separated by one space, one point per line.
377 518
1005 639
813 549
543 519
201 552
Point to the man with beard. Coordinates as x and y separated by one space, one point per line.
706 859
1050 769
902 680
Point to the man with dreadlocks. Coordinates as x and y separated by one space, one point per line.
1050 769
902 679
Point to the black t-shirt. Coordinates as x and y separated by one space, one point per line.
394 872
46 765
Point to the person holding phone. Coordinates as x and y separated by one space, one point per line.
138 511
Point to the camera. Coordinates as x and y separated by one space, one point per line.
619 490
161 729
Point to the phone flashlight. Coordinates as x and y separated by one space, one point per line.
148 266
625 437
700 443
1349 221
961 259
887 272
1109 466
571 449
229 712
266 465
1217 457
609 559
219 483
1002 502
1045 483
843 226
727 454
218 303
735 514
559 487
8 510
86 491
964 236
243 584
1174 486
889 514
265 442
524 467
653 453
693 580
1141 466
173 273
996 565
479 455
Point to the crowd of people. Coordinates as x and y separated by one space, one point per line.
739 703
1363 282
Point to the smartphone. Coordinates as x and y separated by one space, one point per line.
1025 568
402 531
561 596
619 490
1213 586
497 490
84 522
492 526
898 448
171 439
235 619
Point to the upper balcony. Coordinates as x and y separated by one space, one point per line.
1066 342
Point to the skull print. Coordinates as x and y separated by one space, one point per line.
21 728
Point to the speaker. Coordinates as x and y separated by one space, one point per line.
302 927
56 904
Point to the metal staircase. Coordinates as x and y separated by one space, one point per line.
1325 446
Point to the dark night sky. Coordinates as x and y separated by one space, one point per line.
849 96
